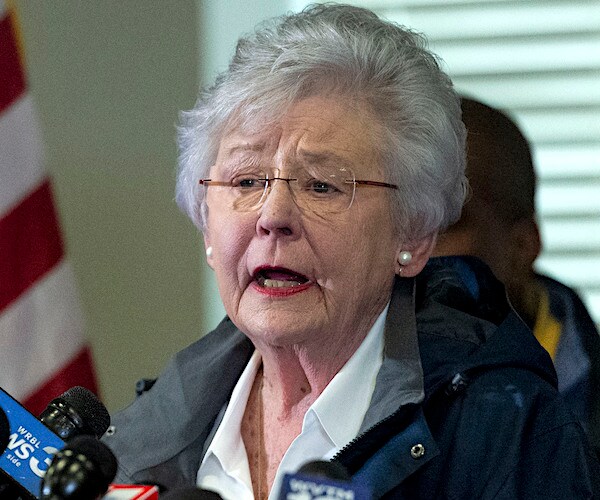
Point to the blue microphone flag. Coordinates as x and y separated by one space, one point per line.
31 446
306 487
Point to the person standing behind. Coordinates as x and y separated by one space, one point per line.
498 225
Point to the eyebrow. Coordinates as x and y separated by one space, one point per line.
246 147
303 157
323 157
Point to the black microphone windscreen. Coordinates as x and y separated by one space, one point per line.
97 452
325 469
89 407
4 431
81 470
76 411
191 494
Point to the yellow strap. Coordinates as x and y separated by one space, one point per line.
547 328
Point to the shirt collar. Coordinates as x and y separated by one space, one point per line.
227 446
351 388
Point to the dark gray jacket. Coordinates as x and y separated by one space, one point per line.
491 424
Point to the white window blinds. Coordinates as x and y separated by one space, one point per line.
540 61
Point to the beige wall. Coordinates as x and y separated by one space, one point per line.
109 78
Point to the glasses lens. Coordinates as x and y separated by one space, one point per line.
247 191
243 192
325 190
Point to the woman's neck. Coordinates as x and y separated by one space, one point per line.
294 377
267 433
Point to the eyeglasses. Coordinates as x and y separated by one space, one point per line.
317 189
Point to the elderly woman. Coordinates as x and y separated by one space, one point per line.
320 168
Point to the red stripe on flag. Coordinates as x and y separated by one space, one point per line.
12 77
79 371
30 243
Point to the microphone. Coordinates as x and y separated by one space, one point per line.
321 480
32 443
76 412
191 494
80 471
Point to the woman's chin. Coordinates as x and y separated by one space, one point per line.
281 330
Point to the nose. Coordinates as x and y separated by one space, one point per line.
279 214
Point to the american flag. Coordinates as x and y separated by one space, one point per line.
43 350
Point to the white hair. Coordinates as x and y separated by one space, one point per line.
349 51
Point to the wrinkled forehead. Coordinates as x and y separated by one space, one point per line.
319 130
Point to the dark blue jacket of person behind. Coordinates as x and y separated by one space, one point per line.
577 357
491 425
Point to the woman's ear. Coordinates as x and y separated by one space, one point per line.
412 257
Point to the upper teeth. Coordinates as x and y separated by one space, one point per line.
278 283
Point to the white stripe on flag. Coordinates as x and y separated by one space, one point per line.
21 153
41 331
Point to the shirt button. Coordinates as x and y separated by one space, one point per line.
417 451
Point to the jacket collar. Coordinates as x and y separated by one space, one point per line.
400 379
197 383
394 440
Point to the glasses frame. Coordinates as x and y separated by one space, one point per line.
267 180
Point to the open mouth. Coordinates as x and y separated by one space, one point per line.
279 278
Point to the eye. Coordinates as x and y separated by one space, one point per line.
322 187
249 182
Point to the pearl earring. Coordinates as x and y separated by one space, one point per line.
404 258
209 251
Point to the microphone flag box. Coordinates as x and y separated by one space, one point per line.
306 487
31 446
131 492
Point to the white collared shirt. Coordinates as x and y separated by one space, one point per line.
325 429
